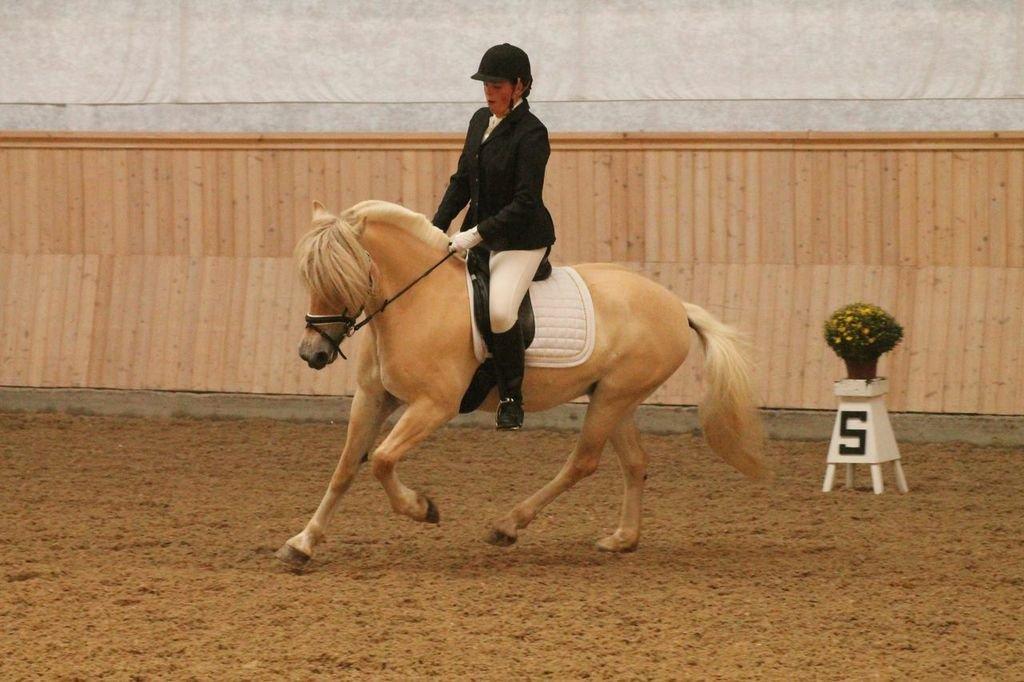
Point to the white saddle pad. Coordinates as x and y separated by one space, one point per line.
564 315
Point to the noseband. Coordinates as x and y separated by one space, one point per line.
348 322
348 328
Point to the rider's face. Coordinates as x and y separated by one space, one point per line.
501 95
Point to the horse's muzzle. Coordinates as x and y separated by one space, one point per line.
319 360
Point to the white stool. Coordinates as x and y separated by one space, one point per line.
862 433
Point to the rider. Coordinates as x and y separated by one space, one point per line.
501 175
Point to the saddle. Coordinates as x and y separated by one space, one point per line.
556 316
478 266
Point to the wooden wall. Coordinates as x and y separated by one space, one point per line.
163 261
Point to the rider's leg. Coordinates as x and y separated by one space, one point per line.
511 274
509 362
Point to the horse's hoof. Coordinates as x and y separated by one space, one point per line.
433 515
500 538
292 557
614 544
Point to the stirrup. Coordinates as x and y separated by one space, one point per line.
510 415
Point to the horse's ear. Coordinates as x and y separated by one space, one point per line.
319 211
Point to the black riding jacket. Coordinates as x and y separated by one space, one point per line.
502 179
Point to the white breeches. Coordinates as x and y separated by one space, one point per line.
511 274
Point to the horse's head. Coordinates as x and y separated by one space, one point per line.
336 271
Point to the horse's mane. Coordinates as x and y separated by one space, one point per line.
333 264
414 223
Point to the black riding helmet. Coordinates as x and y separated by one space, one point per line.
505 63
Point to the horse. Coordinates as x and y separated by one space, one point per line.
419 353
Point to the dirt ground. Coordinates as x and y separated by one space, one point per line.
143 549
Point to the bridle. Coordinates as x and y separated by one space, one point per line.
348 327
348 323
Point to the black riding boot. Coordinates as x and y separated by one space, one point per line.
508 352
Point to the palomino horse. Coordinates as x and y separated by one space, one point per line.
419 353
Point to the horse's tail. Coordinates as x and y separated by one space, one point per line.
729 415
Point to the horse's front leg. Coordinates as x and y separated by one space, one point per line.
421 419
369 410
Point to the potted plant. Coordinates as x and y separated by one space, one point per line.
859 333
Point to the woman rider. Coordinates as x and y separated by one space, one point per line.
501 175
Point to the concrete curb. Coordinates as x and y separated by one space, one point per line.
988 430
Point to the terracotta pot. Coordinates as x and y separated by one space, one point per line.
861 369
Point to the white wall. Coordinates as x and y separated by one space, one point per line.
400 65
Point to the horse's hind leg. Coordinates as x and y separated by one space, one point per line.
604 413
633 461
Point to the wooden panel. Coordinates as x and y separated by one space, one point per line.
718 212
702 202
980 232
194 203
150 215
822 235
553 189
85 323
734 208
186 331
818 365
871 236
619 208
31 201
854 192
7 243
31 347
569 190
993 335
925 207
164 261
602 206
974 349
165 203
920 318
907 216
1014 209
1010 390
298 209
996 224
939 286
686 207
944 239
229 348
12 298
102 309
114 363
586 236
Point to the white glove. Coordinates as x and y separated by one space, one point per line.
464 241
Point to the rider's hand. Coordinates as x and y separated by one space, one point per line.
464 241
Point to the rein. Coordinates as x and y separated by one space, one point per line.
349 325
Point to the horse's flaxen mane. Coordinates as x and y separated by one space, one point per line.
414 223
333 264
